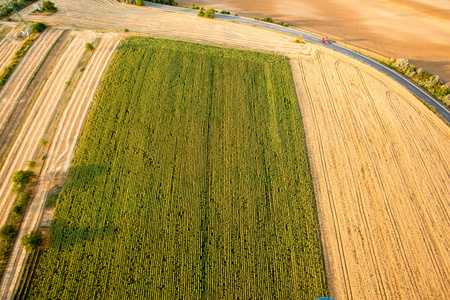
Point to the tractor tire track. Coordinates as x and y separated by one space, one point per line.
347 285
357 187
379 179
390 138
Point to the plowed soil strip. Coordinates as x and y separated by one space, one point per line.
27 142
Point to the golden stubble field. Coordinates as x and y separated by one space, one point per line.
377 153
381 173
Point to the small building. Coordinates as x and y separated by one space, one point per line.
39 7
27 31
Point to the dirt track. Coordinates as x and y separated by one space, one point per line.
377 154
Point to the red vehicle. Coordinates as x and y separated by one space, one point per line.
325 40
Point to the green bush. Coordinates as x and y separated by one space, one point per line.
210 13
140 2
49 6
31 164
32 240
17 210
89 47
7 232
201 12
300 39
24 199
21 180
38 27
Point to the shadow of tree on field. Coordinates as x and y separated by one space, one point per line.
87 176
64 236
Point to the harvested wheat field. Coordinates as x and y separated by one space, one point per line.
9 43
377 154
418 30
382 180
103 14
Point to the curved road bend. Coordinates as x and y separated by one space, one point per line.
412 87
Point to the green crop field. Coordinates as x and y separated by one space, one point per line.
190 181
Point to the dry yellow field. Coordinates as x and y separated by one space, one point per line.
378 155
381 178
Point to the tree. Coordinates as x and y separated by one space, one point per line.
24 199
38 27
32 240
43 143
201 12
210 13
31 164
140 2
21 179
7 232
89 47
49 6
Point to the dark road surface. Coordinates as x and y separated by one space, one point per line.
412 87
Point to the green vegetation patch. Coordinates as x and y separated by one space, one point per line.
190 181
432 83
7 8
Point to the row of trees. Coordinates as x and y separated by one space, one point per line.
21 181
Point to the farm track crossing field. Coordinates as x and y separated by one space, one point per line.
191 180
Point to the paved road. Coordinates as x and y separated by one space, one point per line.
411 86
